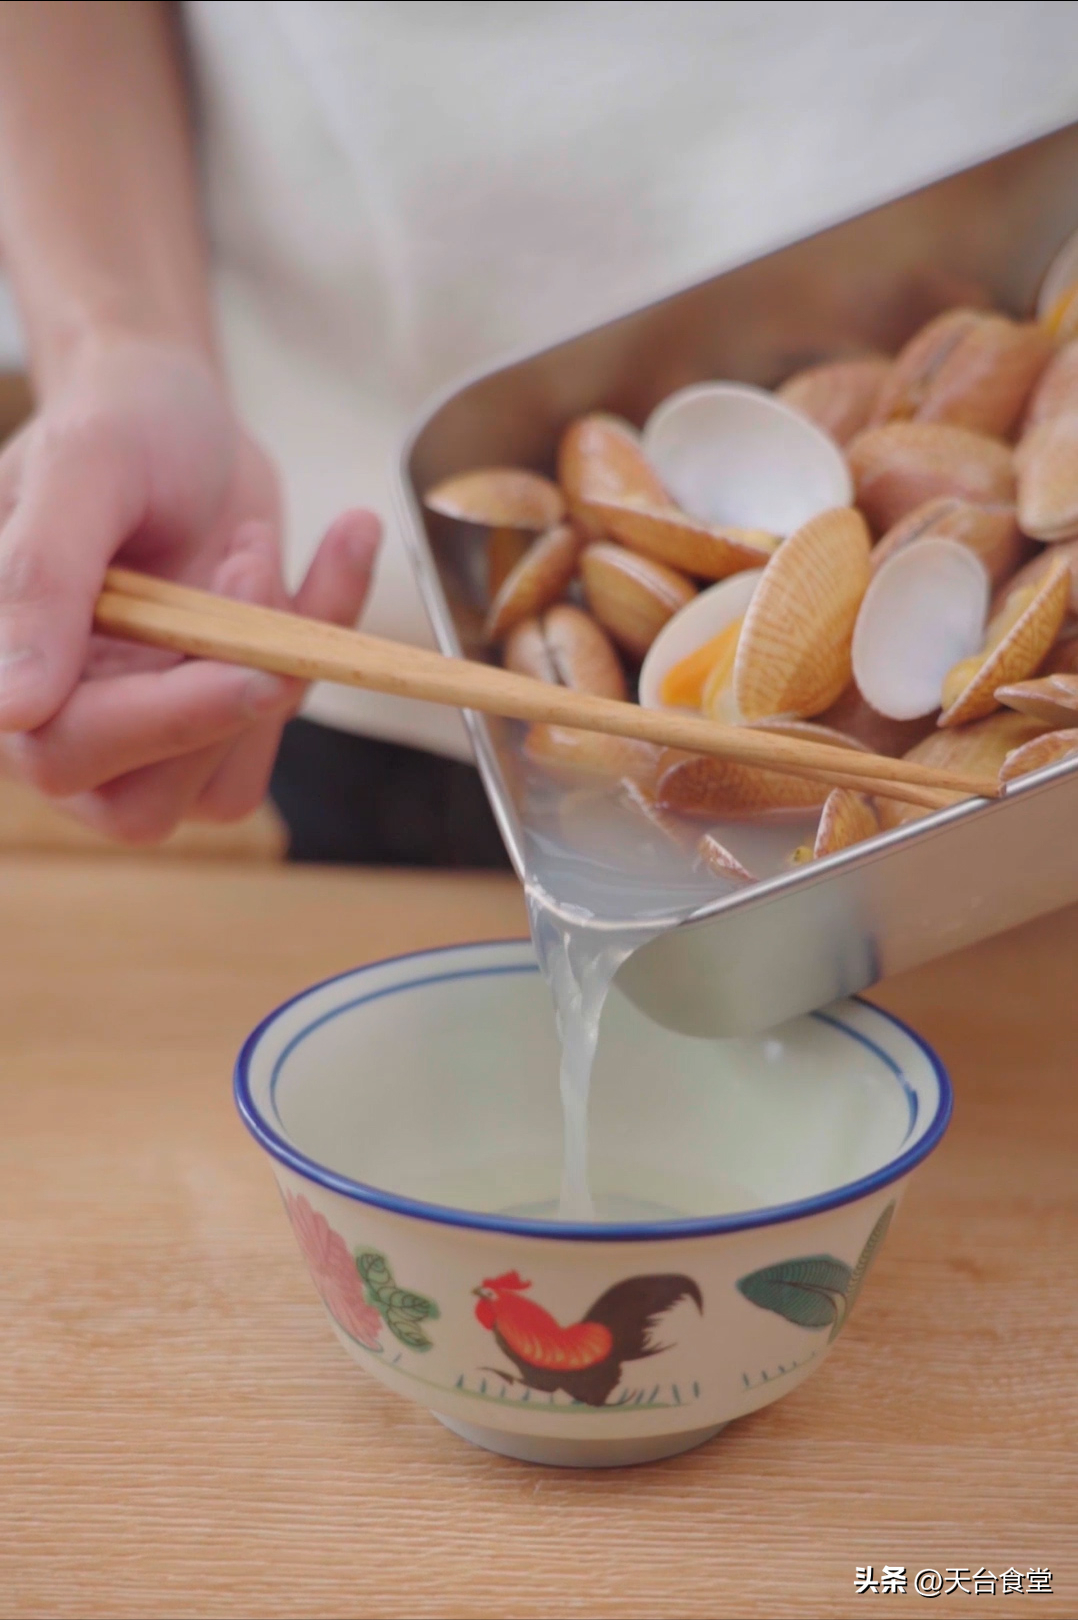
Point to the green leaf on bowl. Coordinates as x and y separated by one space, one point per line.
810 1291
401 1310
868 1254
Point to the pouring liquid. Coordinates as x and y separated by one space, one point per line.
601 881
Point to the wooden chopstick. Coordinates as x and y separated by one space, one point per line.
202 625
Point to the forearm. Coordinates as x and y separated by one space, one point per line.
99 218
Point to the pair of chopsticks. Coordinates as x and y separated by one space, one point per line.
139 608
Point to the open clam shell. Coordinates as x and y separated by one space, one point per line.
718 859
793 654
499 498
1016 644
922 614
972 368
571 754
631 596
839 396
990 532
1051 749
539 578
708 550
1038 568
978 749
904 464
600 459
708 788
1057 297
847 818
1047 464
697 623
1052 700
731 454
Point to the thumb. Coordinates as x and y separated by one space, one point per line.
73 508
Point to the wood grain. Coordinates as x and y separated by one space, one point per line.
163 614
183 1437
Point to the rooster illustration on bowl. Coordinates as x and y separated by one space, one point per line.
585 1358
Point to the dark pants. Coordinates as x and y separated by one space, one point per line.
353 800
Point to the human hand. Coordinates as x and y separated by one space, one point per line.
137 457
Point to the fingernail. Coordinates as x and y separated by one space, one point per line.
263 693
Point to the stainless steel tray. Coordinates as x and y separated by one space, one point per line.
765 954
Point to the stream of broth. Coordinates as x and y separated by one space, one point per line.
602 880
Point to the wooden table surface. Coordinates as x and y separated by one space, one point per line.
180 1435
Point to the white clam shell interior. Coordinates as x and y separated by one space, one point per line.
691 627
924 611
1061 274
729 453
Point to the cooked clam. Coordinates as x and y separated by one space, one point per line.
840 395
969 368
904 464
1066 551
847 818
718 859
631 596
924 611
1050 699
685 651
1047 464
793 654
1057 392
1016 644
733 454
708 550
978 749
566 648
499 498
1051 749
990 532
707 788
538 579
600 459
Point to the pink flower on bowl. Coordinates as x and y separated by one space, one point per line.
334 1272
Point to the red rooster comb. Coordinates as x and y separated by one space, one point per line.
508 1280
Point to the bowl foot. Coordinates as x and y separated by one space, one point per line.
559 1453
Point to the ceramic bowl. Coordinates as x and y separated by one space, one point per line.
410 1112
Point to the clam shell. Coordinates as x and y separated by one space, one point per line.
631 596
1063 657
566 648
1051 700
693 625
538 579
505 548
709 551
704 787
852 717
730 454
1038 567
904 464
1061 322
1051 749
600 459
968 368
990 532
923 612
640 796
500 498
1060 279
570 754
1047 463
718 859
978 749
840 395
793 655
1017 653
847 818
1057 392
